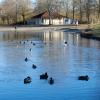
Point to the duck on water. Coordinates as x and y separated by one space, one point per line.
51 81
27 80
44 76
86 78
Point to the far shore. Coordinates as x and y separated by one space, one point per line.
81 28
40 28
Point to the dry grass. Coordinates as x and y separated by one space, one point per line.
96 29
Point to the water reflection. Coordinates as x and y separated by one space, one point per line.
56 36
63 62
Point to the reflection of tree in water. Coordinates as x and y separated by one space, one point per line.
50 36
16 36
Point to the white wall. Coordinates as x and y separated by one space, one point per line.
54 21
39 21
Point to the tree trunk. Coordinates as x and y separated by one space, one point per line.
81 14
49 17
99 11
3 20
8 20
73 12
88 11
66 14
23 19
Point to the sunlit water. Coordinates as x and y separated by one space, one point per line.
62 62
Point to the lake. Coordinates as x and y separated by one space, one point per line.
63 62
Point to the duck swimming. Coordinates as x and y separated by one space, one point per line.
86 78
27 80
34 66
26 59
30 49
44 76
51 81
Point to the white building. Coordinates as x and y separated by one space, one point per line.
43 19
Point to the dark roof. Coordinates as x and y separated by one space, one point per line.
38 15
45 15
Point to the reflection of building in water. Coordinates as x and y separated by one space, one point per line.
72 38
9 36
53 36
15 36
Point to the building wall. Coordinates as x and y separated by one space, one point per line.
67 21
54 21
62 21
58 21
35 21
40 21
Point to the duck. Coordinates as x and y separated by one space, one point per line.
86 78
51 81
33 43
27 80
30 49
26 59
44 76
24 42
65 42
34 66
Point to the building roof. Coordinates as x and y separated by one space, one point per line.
45 15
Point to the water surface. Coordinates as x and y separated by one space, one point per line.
62 62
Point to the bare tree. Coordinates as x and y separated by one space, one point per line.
74 4
65 5
8 11
50 5
23 8
80 10
13 9
99 9
84 10
88 11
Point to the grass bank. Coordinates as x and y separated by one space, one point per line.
96 29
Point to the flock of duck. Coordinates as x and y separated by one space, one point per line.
45 75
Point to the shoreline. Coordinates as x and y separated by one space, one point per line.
40 28
81 28
93 37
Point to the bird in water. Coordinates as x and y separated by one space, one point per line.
86 78
44 76
34 66
34 44
30 49
51 81
26 59
65 43
27 80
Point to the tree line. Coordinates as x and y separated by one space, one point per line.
14 11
